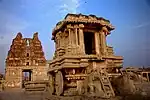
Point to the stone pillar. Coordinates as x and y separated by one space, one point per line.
103 42
70 37
97 42
69 48
147 77
20 74
59 39
81 35
63 40
34 73
76 36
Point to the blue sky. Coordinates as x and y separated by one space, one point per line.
130 17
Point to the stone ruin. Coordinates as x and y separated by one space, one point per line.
82 56
83 63
132 81
25 62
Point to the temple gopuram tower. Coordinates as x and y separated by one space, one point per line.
80 44
25 61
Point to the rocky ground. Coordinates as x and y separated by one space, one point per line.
19 95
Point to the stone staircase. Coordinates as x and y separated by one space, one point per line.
107 87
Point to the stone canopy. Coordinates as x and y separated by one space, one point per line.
79 18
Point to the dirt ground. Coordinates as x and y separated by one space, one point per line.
19 95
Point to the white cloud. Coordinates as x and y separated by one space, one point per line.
142 25
69 6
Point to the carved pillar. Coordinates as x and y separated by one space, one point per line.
76 36
97 43
81 39
147 76
103 40
70 34
59 39
20 76
63 40
32 75
69 39
56 43
75 40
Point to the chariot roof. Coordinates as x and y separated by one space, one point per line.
83 19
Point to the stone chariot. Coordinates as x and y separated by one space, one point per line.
81 48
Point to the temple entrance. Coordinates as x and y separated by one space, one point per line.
26 76
89 41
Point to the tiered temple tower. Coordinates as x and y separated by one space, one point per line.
25 61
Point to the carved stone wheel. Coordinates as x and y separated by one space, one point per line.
59 83
51 84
